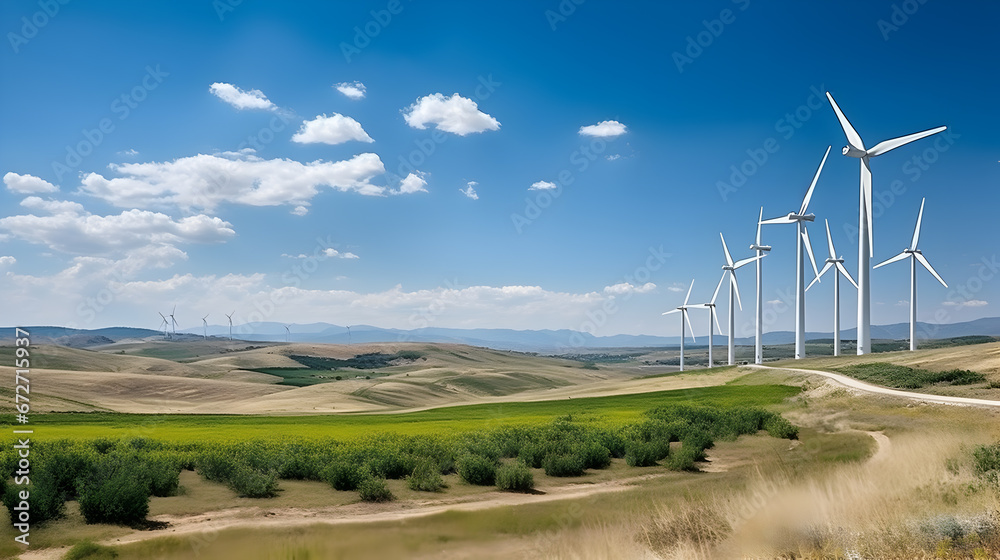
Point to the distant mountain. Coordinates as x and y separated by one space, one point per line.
549 341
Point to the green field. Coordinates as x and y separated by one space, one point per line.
206 428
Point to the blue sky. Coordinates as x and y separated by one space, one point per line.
233 174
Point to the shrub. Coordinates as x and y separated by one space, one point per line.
373 489
515 477
66 463
986 459
532 454
563 465
215 466
45 501
164 472
643 454
778 427
299 466
390 462
698 441
614 440
594 455
117 491
249 482
685 459
89 550
426 477
476 469
343 476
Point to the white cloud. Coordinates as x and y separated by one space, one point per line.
967 303
328 253
604 129
129 152
455 114
7 261
542 186
412 183
335 129
252 99
353 90
613 157
470 190
774 302
205 181
25 184
52 206
677 287
300 211
627 288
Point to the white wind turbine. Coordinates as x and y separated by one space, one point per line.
230 317
287 333
165 324
204 321
173 322
684 317
348 335
834 262
734 290
856 149
713 320
915 255
758 353
802 238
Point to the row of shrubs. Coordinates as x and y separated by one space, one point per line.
113 479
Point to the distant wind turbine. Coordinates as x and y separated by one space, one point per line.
205 322
287 333
713 319
165 324
734 291
802 238
856 148
173 321
758 352
915 255
684 317
230 317
838 263
348 335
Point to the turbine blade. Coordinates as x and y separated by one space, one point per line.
736 288
718 323
809 250
761 217
779 220
717 288
888 145
687 317
821 273
898 257
812 186
687 297
916 230
927 265
746 261
729 258
866 186
829 241
843 270
853 138
671 311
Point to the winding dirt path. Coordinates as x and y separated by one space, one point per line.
869 388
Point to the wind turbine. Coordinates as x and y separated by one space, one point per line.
713 320
230 317
684 317
287 333
164 323
734 290
758 353
834 262
855 148
802 238
348 335
173 322
915 255
205 322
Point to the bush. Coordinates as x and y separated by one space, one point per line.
88 550
476 469
164 474
532 454
515 477
594 455
643 454
215 466
373 489
299 466
778 427
685 459
45 501
249 482
390 462
426 477
563 465
66 463
986 459
343 476
117 491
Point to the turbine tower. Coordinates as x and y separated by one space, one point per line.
173 322
230 317
758 353
713 320
287 333
204 321
915 255
684 317
834 262
734 290
348 335
165 324
802 238
856 149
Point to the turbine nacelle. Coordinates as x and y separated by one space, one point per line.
851 151
802 217
756 247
